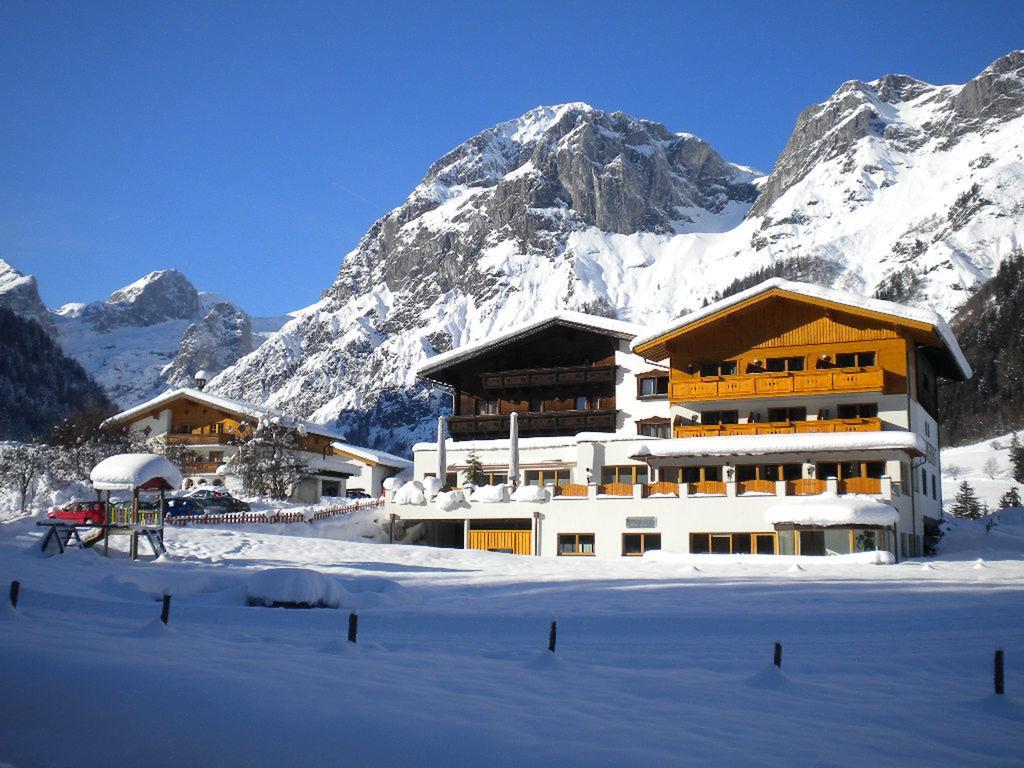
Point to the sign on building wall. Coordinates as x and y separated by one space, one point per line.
641 522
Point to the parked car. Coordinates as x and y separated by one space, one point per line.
81 512
221 503
357 493
205 494
184 507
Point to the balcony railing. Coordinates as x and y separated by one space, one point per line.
550 377
754 385
571 489
805 487
616 489
707 488
196 439
779 427
204 468
865 485
761 487
559 422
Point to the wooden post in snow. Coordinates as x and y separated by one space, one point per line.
16 588
353 626
553 636
998 678
165 611
777 658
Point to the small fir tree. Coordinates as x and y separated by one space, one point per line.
475 470
966 503
1010 499
1017 458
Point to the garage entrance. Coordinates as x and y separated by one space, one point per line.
514 537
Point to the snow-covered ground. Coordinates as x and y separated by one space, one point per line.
658 662
985 465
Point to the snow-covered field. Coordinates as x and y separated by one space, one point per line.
658 663
985 465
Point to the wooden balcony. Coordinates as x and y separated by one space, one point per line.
663 488
547 422
575 490
550 377
616 489
865 485
778 427
707 488
194 439
755 487
805 487
755 385
204 468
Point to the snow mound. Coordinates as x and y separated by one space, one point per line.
830 509
392 483
126 471
490 494
293 587
531 493
449 500
411 494
432 486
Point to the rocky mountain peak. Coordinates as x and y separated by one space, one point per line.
20 294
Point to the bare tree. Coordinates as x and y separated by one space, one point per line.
268 463
991 467
21 464
952 470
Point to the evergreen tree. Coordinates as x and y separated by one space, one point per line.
1016 458
475 470
268 463
1010 499
966 503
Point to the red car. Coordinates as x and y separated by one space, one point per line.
81 512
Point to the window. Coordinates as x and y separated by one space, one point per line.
542 477
654 429
486 407
850 469
935 492
924 481
216 457
719 417
630 474
635 544
451 479
858 411
723 368
575 544
582 403
784 364
770 472
812 542
652 386
536 405
787 414
690 474
855 359
732 543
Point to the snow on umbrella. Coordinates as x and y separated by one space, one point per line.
442 455
513 449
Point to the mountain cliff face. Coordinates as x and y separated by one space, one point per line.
20 294
895 187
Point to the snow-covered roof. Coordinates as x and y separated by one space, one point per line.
554 441
238 407
606 325
804 442
852 300
127 471
369 454
829 509
332 464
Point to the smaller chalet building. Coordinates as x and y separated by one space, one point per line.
212 427
786 419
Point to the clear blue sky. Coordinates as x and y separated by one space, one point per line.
251 144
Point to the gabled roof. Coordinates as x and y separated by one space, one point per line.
128 471
237 407
653 345
583 321
373 456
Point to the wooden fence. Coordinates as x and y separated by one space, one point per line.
249 518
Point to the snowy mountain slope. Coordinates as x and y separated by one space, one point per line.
147 336
910 190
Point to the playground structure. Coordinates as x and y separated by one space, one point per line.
133 472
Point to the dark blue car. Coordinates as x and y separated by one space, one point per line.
184 507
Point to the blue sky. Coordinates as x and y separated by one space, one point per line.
251 144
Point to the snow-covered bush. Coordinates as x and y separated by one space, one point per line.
293 587
531 493
392 483
411 494
490 494
432 485
449 500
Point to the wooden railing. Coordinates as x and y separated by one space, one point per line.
866 485
562 422
755 486
203 468
547 377
200 439
805 487
663 488
616 489
779 427
707 488
571 489
776 384
248 518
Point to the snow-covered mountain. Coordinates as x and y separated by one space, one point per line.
152 334
896 187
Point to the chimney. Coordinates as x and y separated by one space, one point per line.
201 378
